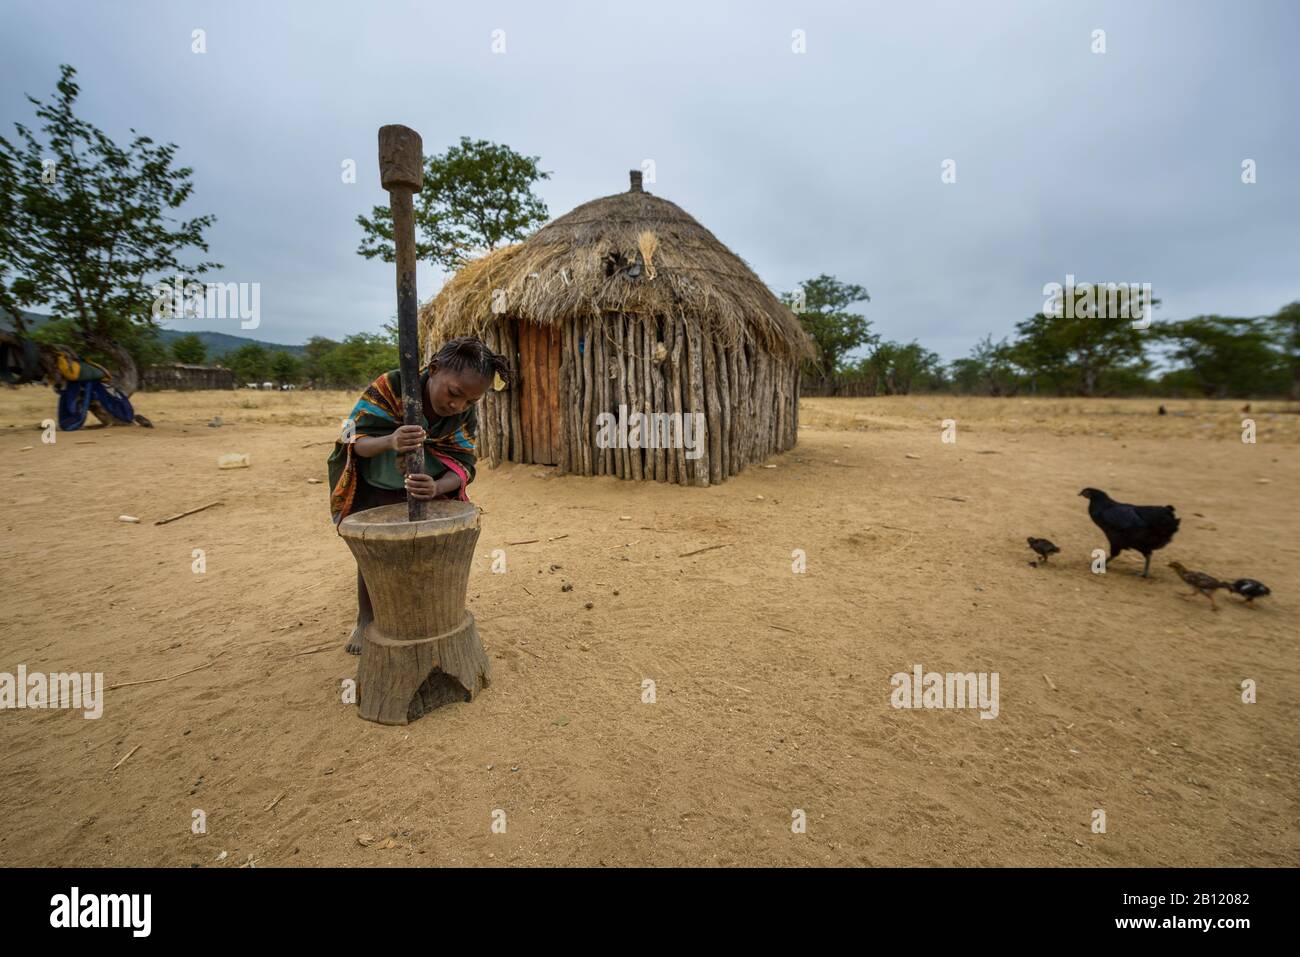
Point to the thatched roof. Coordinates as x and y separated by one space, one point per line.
630 252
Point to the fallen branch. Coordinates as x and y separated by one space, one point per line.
314 651
164 521
707 548
1049 682
127 755
276 801
780 627
528 542
181 674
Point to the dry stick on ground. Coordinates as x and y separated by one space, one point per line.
181 674
313 651
276 801
558 537
330 442
528 542
707 548
780 627
164 521
1049 682
124 757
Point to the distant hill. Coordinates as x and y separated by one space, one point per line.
218 344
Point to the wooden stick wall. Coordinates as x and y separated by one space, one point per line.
749 399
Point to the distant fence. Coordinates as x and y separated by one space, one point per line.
836 386
184 377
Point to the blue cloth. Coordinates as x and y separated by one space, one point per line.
75 399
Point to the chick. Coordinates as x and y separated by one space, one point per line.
1249 589
1200 582
1043 548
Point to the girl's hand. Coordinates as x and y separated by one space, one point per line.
407 438
422 487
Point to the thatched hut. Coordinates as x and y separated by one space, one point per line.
627 319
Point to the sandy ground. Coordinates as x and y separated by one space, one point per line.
772 688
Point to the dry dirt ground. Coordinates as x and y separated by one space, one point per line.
772 688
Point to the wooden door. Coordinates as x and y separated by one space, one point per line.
539 392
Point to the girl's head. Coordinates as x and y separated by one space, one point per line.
460 372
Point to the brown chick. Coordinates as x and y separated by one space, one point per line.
1201 583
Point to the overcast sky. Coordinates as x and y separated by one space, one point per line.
1116 166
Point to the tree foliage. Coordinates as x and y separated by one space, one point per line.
476 196
85 224
822 305
190 349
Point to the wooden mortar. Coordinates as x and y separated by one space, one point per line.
422 649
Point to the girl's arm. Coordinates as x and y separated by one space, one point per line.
407 438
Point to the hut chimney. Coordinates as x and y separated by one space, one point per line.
636 180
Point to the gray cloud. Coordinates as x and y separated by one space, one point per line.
1116 167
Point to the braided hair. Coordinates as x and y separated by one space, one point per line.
471 354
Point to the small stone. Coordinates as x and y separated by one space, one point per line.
590 605
313 481
129 519
566 587
625 518
911 456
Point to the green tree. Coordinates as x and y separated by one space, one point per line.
986 371
822 306
190 348
285 367
477 196
82 235
895 368
250 363
1227 357
358 360
316 349
1073 351
1285 328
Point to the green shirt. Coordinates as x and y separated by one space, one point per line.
381 470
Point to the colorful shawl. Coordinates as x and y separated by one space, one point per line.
451 441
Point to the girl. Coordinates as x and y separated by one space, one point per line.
366 467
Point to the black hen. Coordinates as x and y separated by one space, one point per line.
1143 528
